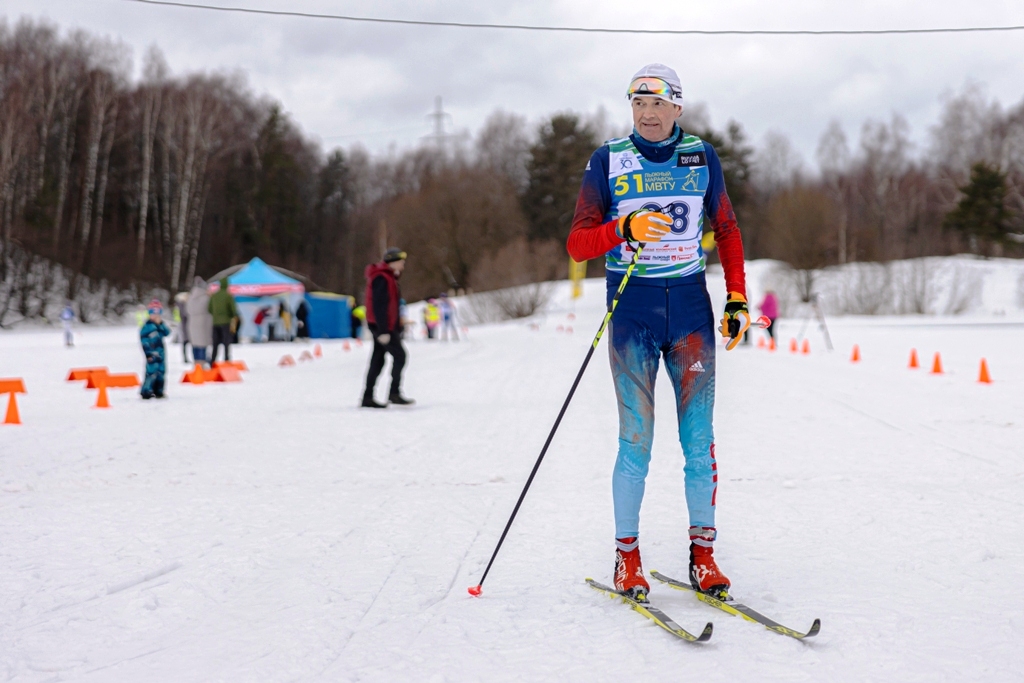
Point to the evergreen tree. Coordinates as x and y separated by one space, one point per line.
982 213
556 166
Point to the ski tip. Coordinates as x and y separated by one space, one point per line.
705 635
815 627
475 591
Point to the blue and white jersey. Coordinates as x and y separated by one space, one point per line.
675 187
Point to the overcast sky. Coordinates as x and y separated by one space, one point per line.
373 84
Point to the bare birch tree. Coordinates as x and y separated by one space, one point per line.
155 71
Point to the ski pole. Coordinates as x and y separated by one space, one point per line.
477 589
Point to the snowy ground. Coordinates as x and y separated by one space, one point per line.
272 531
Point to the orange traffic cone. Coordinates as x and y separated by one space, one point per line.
913 359
771 344
285 361
982 375
937 364
318 352
101 399
855 358
760 342
13 386
792 345
807 347
13 418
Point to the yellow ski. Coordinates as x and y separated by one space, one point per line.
737 609
655 615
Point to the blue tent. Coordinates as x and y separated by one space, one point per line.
257 286
330 315
258 279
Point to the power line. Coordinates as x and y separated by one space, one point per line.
580 29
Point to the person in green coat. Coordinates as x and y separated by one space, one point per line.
224 310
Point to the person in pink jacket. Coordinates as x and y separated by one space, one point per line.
770 309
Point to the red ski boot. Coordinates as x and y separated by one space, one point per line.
629 571
705 576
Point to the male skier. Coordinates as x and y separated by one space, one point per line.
657 188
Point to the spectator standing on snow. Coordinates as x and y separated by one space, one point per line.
224 310
358 321
770 309
152 335
431 318
382 317
200 322
67 316
261 317
302 320
447 309
286 321
657 187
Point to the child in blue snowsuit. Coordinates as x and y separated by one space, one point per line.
152 335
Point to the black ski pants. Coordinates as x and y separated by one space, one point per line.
397 351
222 336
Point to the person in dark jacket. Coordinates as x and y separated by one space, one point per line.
152 337
382 317
302 316
225 317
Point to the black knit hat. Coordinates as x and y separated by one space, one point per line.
394 254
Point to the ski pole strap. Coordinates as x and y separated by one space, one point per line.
618 292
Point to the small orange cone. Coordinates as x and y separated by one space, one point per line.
13 418
318 352
13 386
285 361
982 375
771 344
792 345
937 364
346 346
913 359
305 355
101 399
760 342
194 376
226 373
807 347
855 358
568 329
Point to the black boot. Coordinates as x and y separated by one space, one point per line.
368 402
399 400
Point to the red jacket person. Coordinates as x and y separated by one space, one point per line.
382 301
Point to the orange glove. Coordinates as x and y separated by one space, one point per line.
735 320
643 225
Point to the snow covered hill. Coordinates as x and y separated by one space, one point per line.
272 531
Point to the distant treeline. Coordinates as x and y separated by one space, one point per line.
153 182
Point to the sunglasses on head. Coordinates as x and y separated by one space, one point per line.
648 85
